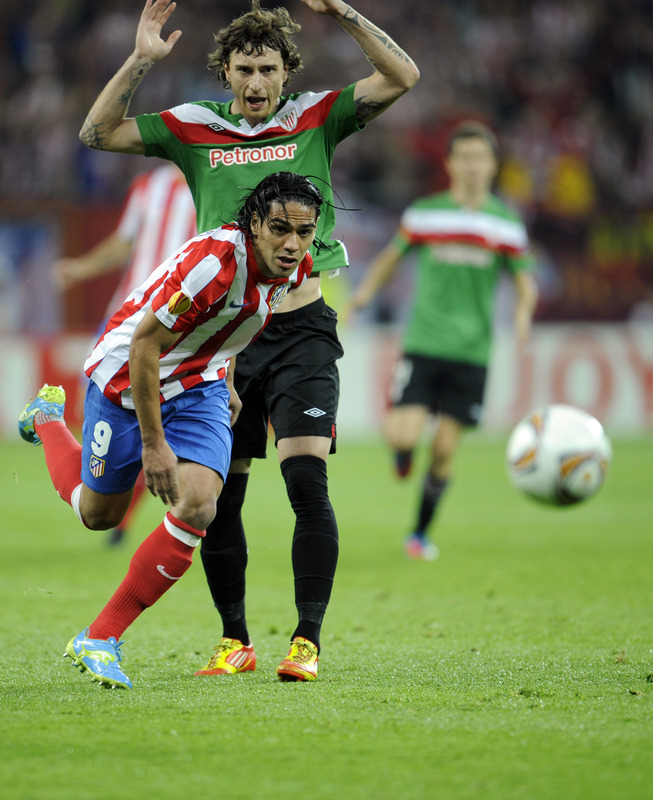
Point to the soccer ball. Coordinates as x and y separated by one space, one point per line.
558 455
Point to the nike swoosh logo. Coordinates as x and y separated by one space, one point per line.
165 574
234 304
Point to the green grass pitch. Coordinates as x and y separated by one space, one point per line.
518 665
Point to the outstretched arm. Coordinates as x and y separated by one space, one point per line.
106 126
527 295
109 254
394 71
379 272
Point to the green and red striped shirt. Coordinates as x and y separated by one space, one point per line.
461 253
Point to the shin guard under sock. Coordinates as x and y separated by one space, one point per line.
315 541
155 567
224 557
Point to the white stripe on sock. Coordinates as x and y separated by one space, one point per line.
74 502
179 533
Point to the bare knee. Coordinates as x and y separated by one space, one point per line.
198 513
101 520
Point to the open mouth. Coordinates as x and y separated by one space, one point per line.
287 263
256 103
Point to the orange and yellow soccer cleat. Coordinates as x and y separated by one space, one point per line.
301 662
230 656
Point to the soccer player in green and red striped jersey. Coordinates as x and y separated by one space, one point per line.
464 238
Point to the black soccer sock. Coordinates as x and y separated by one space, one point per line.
432 490
315 541
224 557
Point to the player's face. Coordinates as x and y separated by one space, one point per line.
257 82
282 239
471 165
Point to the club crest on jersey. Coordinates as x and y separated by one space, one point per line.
179 303
288 120
96 465
277 295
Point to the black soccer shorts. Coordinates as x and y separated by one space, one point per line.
455 388
289 376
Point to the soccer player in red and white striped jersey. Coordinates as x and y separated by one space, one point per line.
158 216
159 398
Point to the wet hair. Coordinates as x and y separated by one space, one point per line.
473 130
252 32
280 187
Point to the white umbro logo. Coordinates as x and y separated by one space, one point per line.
315 412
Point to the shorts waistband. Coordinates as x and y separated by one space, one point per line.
312 310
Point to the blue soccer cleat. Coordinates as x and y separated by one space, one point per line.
101 657
51 401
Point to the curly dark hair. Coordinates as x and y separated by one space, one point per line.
253 31
280 187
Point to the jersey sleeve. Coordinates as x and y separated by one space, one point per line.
341 121
403 238
159 141
519 256
197 282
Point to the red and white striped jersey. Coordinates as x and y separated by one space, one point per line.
158 217
212 293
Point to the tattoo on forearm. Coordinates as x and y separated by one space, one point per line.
355 18
135 77
92 134
366 109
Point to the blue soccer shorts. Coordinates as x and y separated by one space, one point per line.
196 424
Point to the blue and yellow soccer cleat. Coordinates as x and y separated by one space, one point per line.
101 657
51 401
230 656
301 662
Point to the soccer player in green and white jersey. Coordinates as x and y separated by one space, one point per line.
289 375
464 238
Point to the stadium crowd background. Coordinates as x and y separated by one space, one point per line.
566 84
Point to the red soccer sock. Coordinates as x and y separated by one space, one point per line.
63 454
155 567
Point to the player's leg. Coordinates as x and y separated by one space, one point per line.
98 489
197 428
443 447
402 428
314 548
459 400
410 399
224 548
224 558
117 534
303 404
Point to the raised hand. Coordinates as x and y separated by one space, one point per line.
150 44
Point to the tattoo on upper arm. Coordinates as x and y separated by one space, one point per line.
367 109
